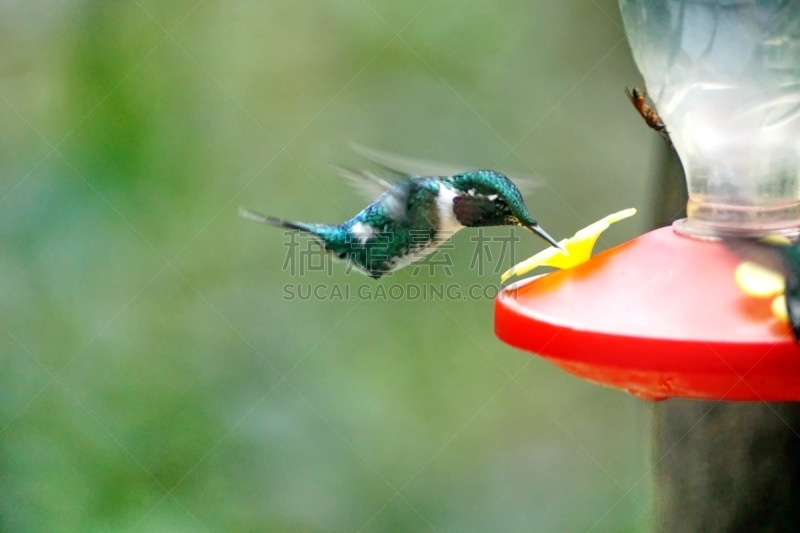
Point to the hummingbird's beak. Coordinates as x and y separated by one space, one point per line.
537 229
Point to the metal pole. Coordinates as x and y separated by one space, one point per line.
721 466
727 466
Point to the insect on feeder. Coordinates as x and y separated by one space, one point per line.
661 316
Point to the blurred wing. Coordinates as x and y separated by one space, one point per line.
393 170
393 196
368 184
403 167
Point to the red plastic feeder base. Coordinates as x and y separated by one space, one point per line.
659 317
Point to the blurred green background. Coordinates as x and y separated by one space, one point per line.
154 377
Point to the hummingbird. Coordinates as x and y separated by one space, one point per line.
412 217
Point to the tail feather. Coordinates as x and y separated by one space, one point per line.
327 236
273 221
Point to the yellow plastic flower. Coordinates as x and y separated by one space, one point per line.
760 282
779 308
578 248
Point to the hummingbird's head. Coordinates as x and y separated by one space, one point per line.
489 198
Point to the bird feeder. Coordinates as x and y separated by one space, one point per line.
661 316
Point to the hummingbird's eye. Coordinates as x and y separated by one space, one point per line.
502 205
